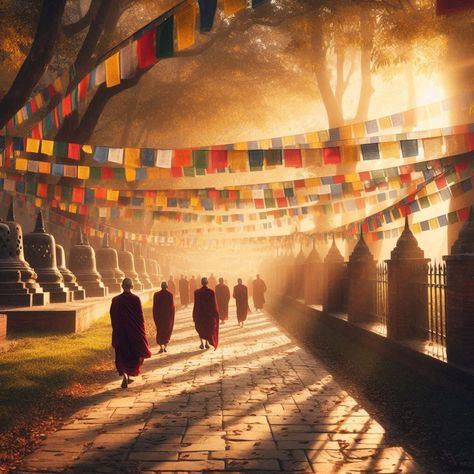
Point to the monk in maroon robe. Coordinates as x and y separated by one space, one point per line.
259 289
163 315
184 291
241 296
171 285
222 297
128 333
212 282
206 316
192 288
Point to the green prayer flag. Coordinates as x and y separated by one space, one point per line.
95 173
119 173
164 39
188 172
60 149
200 159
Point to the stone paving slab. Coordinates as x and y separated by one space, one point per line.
260 403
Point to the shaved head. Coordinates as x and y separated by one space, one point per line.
127 284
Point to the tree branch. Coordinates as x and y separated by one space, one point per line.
73 28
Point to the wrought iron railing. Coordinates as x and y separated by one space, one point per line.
379 292
436 288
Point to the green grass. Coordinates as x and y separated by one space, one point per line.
38 367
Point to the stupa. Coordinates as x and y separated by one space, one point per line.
70 280
108 266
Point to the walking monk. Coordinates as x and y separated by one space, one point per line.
259 289
163 315
192 288
241 301
184 291
222 297
206 316
128 333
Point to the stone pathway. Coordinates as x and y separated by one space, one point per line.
260 403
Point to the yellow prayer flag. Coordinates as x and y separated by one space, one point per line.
323 136
164 173
455 144
433 223
87 149
186 26
288 140
132 157
312 182
416 228
312 137
233 6
390 150
358 186
395 183
83 172
130 174
19 118
58 85
345 132
39 101
351 178
72 208
21 164
161 200
300 199
112 195
358 130
311 156
149 201
194 201
38 202
385 123
264 144
62 206
32 145
433 147
238 160
241 146
47 147
44 167
431 187
112 70
350 153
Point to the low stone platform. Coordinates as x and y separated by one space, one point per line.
259 403
72 317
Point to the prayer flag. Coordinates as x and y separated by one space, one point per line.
238 160
146 49
44 167
163 158
255 160
233 6
32 145
273 157
116 155
99 75
370 151
390 150
311 156
78 195
100 154
350 153
42 190
128 60
218 159
74 151
60 149
182 158
207 11
200 159
409 148
186 25
433 147
83 172
112 70
82 88
164 39
21 164
331 155
130 174
292 158
147 157
132 157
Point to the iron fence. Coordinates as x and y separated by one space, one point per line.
379 292
436 287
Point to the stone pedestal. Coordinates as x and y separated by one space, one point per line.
460 298
82 263
140 267
361 286
108 266
333 291
127 265
40 253
313 279
16 251
70 280
407 275
152 269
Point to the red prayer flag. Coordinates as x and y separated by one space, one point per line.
42 190
259 203
338 179
74 151
146 49
463 214
292 158
441 182
300 183
232 195
218 159
331 155
176 172
101 193
107 173
82 88
364 175
282 202
182 158
78 195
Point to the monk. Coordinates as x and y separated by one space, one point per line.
212 282
206 316
163 315
184 291
259 289
171 285
192 288
223 297
128 333
241 296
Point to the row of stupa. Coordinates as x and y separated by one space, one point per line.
33 269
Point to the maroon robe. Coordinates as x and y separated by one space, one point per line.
241 301
163 314
259 289
192 288
206 316
184 291
223 297
128 333
212 282
171 286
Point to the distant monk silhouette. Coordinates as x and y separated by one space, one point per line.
259 289
212 282
171 285
192 288
241 296
222 297
206 316
128 333
184 291
163 315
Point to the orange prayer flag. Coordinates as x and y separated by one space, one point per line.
112 70
186 26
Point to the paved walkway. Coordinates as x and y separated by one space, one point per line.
258 403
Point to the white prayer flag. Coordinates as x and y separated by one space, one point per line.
116 155
128 60
163 158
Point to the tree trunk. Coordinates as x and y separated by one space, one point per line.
38 58
366 88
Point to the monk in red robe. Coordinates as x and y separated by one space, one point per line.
183 285
163 315
212 282
128 333
192 288
206 316
259 289
241 296
171 285
222 297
